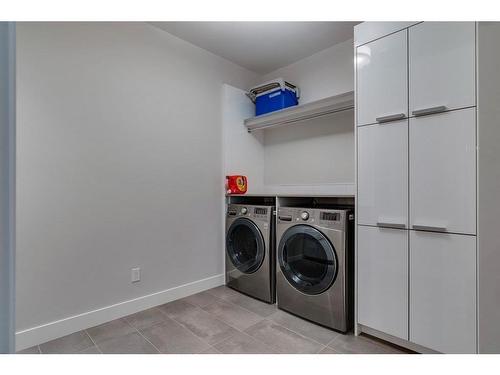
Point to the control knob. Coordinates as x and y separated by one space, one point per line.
304 215
244 210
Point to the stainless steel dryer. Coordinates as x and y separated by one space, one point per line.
314 276
250 250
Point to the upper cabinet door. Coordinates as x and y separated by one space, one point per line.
441 66
382 79
443 172
383 174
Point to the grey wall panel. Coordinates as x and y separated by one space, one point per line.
7 130
488 81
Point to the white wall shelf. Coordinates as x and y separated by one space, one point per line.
292 115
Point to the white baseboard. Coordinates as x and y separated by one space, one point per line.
50 331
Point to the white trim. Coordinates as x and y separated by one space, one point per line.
12 179
66 326
340 189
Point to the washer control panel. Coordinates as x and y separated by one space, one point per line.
330 218
257 212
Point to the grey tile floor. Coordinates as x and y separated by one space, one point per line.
219 320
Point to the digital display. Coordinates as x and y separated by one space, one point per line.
260 211
330 216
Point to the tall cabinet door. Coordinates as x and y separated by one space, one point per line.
383 174
382 90
443 172
443 291
383 279
441 66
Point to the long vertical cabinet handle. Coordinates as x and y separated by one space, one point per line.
429 111
397 116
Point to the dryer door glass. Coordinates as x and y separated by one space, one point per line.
307 259
245 245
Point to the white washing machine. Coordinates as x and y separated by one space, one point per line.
315 267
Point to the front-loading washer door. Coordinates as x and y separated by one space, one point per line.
245 245
307 259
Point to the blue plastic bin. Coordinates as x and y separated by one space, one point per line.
274 101
273 96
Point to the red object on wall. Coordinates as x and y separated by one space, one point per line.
236 184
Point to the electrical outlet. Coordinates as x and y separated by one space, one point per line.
135 275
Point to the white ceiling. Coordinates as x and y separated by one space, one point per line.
261 46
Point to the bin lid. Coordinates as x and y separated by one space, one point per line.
266 87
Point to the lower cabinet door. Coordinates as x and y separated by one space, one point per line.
383 279
443 291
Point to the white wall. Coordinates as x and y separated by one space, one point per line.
119 161
319 152
243 151
326 73
6 187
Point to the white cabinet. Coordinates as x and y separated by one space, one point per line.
416 185
441 66
383 279
443 172
382 90
383 174
443 291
